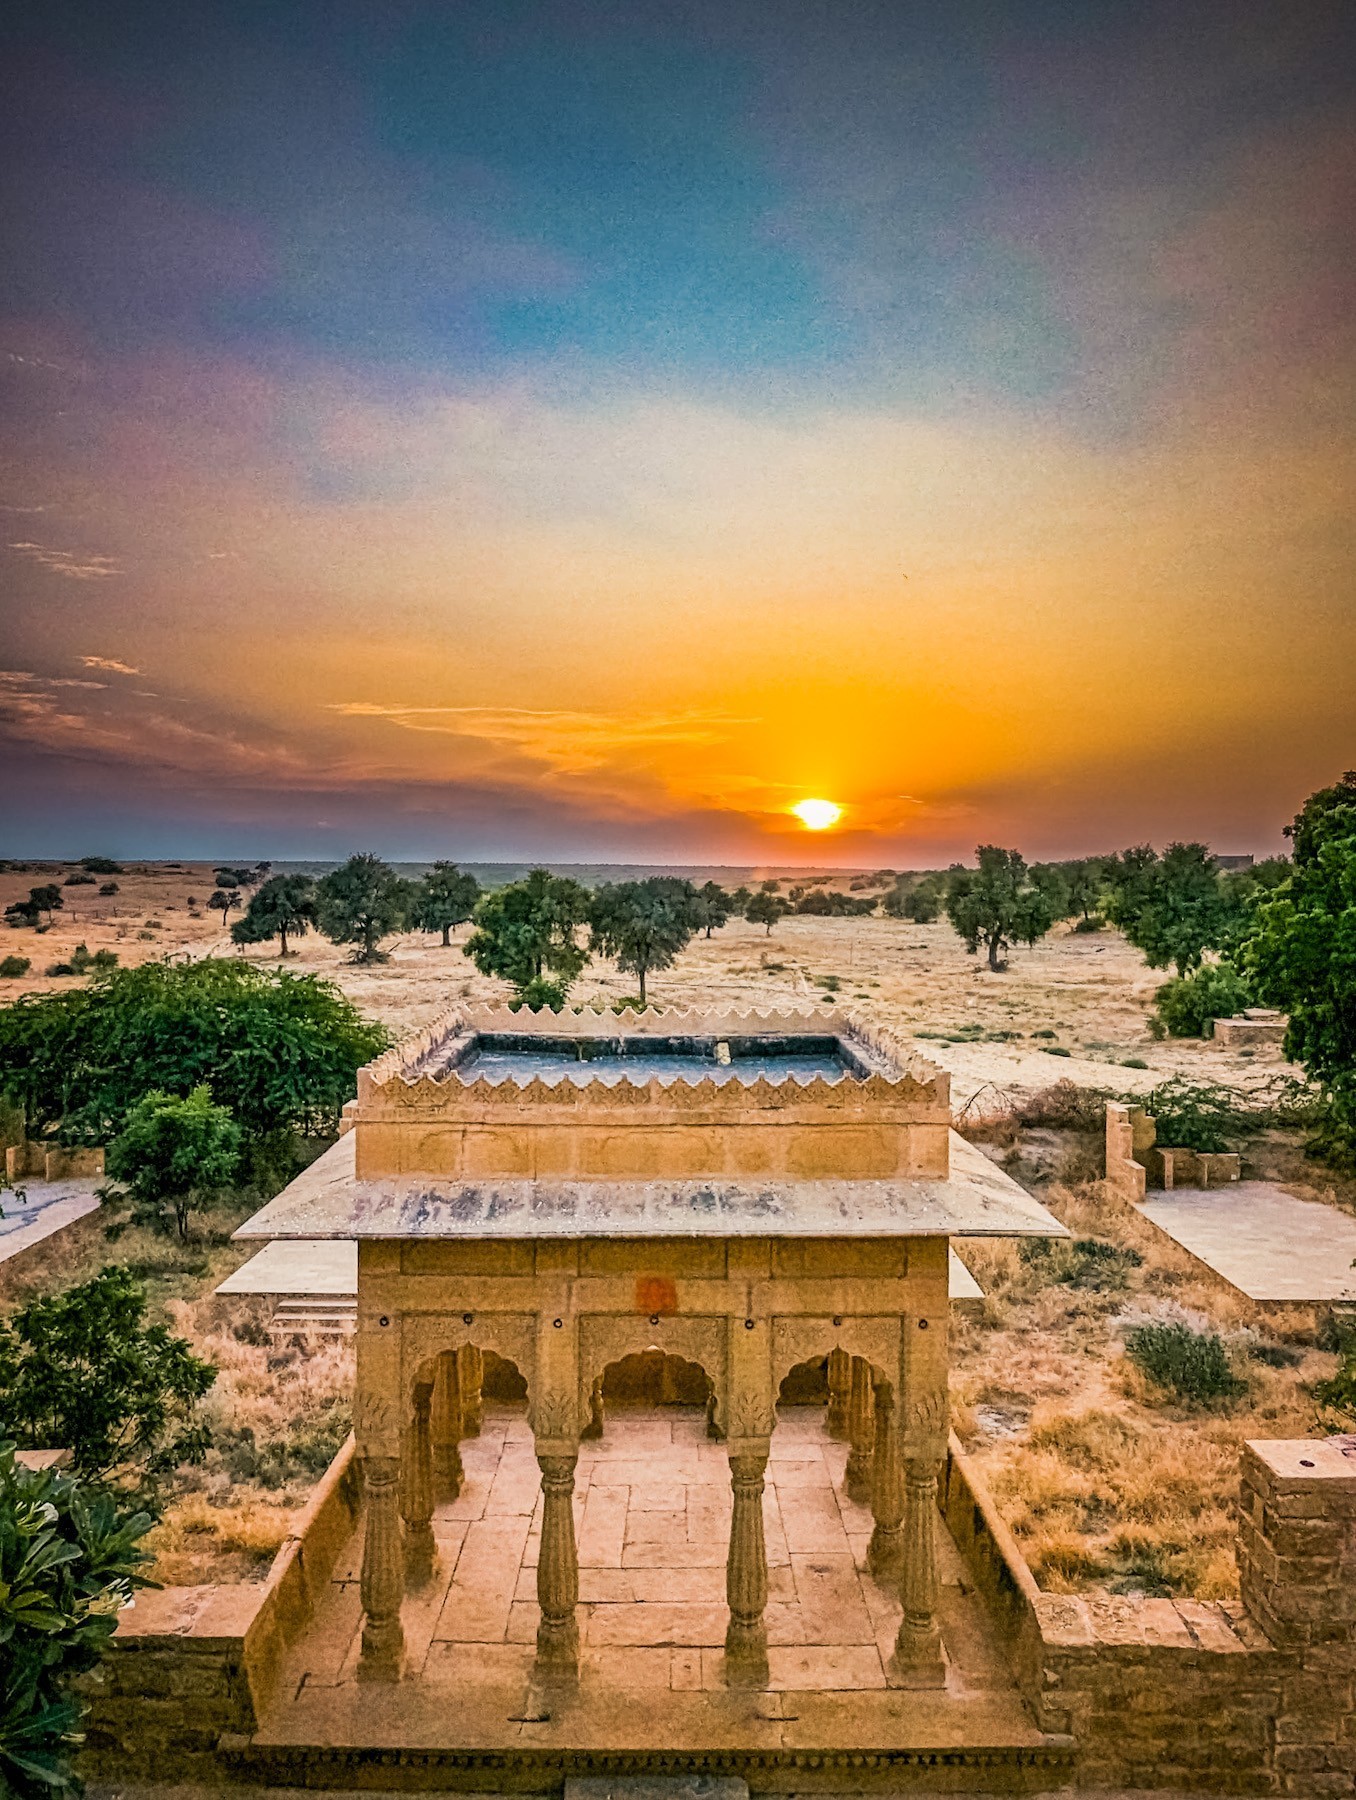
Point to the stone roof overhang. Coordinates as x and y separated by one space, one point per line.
328 1201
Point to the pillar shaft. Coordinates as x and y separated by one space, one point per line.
416 1487
861 1431
447 1426
885 1555
746 1571
919 1660
471 1367
840 1383
558 1569
383 1574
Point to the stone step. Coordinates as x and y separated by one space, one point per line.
333 1318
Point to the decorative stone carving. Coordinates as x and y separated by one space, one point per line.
885 1553
802 1340
746 1573
861 1432
558 1572
510 1335
607 1339
383 1573
919 1660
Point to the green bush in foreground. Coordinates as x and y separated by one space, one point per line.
68 1562
1193 1365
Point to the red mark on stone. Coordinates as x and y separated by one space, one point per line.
656 1294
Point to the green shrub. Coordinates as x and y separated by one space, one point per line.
1192 1115
82 1370
1193 1365
102 865
11 967
78 880
68 1562
1093 922
1056 1050
108 888
1188 1005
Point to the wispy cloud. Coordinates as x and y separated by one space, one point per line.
570 743
71 564
109 664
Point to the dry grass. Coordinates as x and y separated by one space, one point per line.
1106 1481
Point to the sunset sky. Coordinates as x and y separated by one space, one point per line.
586 431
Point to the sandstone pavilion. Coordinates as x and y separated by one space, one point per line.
757 1207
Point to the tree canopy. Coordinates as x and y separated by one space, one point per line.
644 925
1300 951
527 934
361 903
711 907
281 1050
1173 908
446 897
764 909
997 904
173 1155
283 907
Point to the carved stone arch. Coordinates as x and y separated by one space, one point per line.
513 1336
797 1340
607 1339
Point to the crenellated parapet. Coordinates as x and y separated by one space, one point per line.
428 1106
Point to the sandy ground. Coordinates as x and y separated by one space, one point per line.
1093 991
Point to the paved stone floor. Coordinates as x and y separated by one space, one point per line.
1268 1244
652 1520
33 1209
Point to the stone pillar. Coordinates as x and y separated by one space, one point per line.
746 1571
558 1570
471 1367
885 1555
383 1576
919 1660
861 1432
597 1419
416 1487
1297 1576
840 1381
446 1426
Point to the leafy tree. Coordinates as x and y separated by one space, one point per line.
68 1563
174 1154
281 1050
234 878
739 899
84 1370
764 909
284 905
444 898
108 888
711 907
1085 886
771 887
21 913
1053 882
100 865
645 925
1175 908
919 899
1300 953
361 903
527 932
997 904
224 900
46 899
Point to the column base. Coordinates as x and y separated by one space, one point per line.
919 1659
746 1655
857 1479
383 1652
558 1650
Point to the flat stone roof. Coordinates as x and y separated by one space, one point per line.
1270 1245
328 1201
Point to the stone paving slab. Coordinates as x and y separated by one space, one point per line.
1267 1243
34 1209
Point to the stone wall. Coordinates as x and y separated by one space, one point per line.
1133 1157
51 1162
188 1666
1257 1696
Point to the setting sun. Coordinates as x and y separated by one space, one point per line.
817 815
